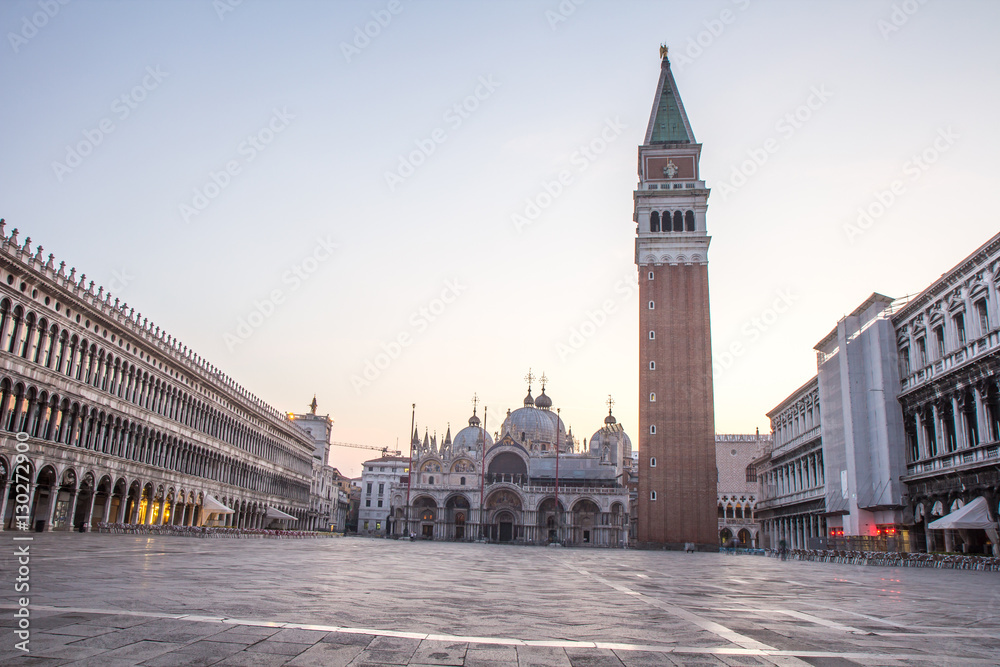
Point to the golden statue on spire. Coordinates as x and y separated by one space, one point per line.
663 51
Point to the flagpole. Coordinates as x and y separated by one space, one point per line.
482 479
558 513
409 468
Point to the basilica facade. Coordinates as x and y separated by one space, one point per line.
532 482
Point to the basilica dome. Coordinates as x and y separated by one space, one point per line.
471 438
537 425
543 401
611 442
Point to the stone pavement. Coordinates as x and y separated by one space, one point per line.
113 600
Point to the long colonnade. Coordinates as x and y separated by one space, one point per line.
105 417
794 530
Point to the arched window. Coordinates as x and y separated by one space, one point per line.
689 221
462 481
652 462
652 429
430 480
652 365
751 473
654 221
678 221
652 335
652 397
651 274
652 495
652 305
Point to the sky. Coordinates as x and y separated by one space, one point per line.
359 200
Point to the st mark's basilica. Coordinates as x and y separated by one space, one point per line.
530 483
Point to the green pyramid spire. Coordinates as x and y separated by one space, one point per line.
668 123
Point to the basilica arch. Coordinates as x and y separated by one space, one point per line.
504 515
586 517
549 519
457 517
425 517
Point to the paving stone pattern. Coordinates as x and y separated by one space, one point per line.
163 601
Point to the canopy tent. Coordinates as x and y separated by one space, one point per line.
974 515
211 506
275 513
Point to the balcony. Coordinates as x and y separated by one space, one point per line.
676 185
740 523
971 457
803 438
969 352
597 490
814 493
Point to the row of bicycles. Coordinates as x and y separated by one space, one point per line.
206 531
894 559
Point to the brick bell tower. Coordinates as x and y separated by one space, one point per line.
677 468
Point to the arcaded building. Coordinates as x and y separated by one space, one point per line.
948 340
533 483
791 472
104 416
835 467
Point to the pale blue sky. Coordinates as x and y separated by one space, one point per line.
342 123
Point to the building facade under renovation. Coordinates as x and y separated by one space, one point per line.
895 443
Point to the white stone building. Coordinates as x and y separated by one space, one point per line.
106 417
948 339
328 504
791 472
377 479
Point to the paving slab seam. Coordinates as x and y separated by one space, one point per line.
711 626
510 641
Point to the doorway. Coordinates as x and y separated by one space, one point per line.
506 531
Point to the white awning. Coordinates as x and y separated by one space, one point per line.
275 513
213 506
973 515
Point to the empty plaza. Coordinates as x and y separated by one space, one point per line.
128 600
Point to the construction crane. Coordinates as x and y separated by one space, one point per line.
385 450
